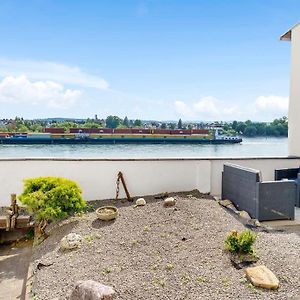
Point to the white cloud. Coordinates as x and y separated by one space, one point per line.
45 70
263 108
275 104
20 90
207 108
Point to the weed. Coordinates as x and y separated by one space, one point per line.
253 288
107 270
169 267
201 279
29 234
159 281
146 228
134 242
185 279
89 238
225 282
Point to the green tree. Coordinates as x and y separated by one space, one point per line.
112 121
91 124
179 125
126 122
250 131
137 123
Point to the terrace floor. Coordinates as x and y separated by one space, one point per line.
14 263
153 252
286 225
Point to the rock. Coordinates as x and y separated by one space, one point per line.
169 201
257 223
233 208
140 202
261 276
225 202
70 241
92 290
243 214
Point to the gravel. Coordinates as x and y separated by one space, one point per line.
153 252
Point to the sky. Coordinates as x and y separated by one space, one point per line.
149 59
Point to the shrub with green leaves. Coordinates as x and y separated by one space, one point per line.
240 242
52 198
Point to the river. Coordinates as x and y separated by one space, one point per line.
249 147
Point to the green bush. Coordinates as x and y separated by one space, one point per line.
52 198
240 242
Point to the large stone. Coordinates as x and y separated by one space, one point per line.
243 214
225 202
140 202
261 276
92 290
70 241
170 201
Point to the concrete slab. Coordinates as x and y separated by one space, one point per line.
14 263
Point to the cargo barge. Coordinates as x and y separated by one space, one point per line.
119 135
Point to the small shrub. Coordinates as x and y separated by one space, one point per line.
52 198
240 242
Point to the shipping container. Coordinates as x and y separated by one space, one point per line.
161 131
54 130
180 131
122 130
140 130
105 130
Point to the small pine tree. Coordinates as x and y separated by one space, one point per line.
126 122
179 124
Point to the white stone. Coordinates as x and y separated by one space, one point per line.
140 202
170 201
92 290
70 241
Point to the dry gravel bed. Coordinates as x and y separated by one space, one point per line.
153 252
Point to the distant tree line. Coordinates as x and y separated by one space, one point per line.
277 128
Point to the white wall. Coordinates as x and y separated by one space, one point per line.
294 102
143 176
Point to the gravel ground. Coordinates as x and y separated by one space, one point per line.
153 252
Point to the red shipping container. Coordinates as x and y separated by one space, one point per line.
122 130
162 131
140 130
54 130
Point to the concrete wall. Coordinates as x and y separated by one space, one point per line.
143 176
294 103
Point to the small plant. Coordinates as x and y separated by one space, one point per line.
201 279
107 270
185 279
241 243
146 228
134 242
89 238
51 199
169 267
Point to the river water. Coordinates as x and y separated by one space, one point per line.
249 147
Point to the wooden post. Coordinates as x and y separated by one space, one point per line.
125 187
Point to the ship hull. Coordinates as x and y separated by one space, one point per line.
116 140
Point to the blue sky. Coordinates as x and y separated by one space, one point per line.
198 60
